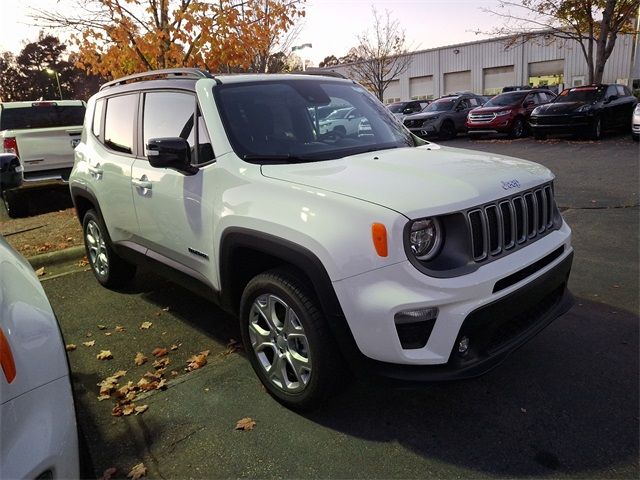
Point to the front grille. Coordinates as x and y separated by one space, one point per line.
549 120
481 117
413 123
498 227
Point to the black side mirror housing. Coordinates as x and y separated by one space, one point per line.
11 175
611 98
173 153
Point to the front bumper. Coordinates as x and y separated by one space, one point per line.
498 125
371 300
561 124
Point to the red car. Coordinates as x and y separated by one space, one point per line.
507 113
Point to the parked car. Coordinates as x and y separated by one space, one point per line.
402 109
39 438
635 123
507 113
443 118
588 110
381 254
42 135
515 88
342 122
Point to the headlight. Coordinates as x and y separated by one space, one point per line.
504 112
536 111
584 108
636 111
425 238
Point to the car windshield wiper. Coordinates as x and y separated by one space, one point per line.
276 158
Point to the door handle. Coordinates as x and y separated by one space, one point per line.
142 183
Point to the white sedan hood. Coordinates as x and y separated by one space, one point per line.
417 182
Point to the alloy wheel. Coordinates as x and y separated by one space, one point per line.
97 249
280 343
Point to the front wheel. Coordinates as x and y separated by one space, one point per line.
288 341
518 128
448 130
109 269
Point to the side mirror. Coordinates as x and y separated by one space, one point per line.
611 98
173 153
11 169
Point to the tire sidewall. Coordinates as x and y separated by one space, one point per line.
92 215
267 284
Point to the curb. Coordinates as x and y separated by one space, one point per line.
51 258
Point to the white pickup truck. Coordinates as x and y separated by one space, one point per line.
42 134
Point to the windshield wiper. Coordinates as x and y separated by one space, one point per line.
284 158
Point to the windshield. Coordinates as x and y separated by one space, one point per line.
396 107
585 94
42 116
505 100
442 105
278 121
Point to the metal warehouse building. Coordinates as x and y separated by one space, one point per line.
487 66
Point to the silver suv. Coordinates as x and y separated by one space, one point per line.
445 117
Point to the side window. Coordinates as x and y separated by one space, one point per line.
621 92
532 97
475 102
119 123
97 118
464 104
611 90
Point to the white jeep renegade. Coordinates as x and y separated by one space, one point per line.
374 252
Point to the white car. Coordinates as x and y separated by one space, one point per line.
39 438
342 122
635 123
379 253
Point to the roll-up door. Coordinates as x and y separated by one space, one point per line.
496 78
457 82
546 74
392 92
421 88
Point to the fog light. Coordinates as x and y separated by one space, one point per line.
463 345
414 316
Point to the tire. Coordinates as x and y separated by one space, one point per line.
518 129
596 129
16 203
636 138
300 374
339 132
448 130
109 269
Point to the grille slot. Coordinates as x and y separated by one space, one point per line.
509 223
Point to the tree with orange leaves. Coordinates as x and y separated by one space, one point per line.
120 37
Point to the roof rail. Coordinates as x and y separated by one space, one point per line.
324 73
167 72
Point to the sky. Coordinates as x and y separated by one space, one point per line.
331 26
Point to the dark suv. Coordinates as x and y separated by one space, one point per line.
444 117
507 113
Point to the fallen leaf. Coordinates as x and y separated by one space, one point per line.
162 385
154 377
123 391
108 334
71 347
103 397
159 352
161 363
90 343
104 355
84 262
140 359
158 314
120 328
245 424
89 334
117 411
165 309
197 361
108 473
40 272
128 409
137 472
146 385
523 410
146 325
174 347
141 409
108 385
174 373
119 374
102 327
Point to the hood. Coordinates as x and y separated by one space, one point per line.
420 181
418 116
559 108
494 109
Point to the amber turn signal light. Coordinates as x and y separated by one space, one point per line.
6 359
379 236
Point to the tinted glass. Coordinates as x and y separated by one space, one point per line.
533 97
396 107
505 99
97 117
580 94
119 123
41 116
442 105
621 92
276 121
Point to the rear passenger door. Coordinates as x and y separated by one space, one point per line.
173 221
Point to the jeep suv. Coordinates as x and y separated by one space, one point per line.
445 117
377 253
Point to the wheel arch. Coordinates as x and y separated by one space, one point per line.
83 201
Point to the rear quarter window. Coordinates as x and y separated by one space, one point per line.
42 116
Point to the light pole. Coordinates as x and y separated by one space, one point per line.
301 47
51 71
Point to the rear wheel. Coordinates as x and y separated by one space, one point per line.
109 269
288 341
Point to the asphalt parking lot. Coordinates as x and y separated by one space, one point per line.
565 405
